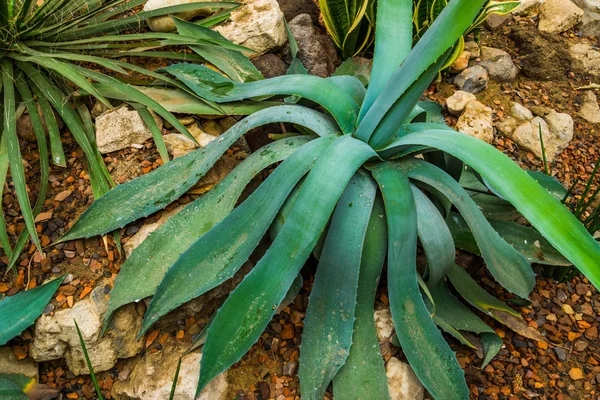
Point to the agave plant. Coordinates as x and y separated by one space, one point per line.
48 51
369 179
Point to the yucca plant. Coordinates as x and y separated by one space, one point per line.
367 181
52 52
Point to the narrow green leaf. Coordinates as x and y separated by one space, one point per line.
213 86
546 214
428 353
4 239
155 190
17 171
20 311
56 147
330 317
296 66
363 375
507 265
88 363
156 132
226 247
483 301
526 240
393 42
435 237
232 62
250 307
175 379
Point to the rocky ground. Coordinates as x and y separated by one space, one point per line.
535 68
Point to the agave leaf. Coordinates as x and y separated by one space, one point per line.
178 101
351 85
483 301
213 86
357 67
250 307
550 183
14 152
156 190
435 237
524 239
56 147
430 356
17 387
546 214
507 265
20 311
461 318
363 375
226 247
393 42
330 317
446 30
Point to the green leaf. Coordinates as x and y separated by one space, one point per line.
164 246
4 239
363 375
526 240
296 66
351 85
88 363
56 147
447 29
483 301
550 183
20 311
429 355
213 86
17 171
393 42
357 67
178 101
226 246
150 122
329 322
250 307
435 237
232 62
461 318
507 265
155 190
10 390
546 214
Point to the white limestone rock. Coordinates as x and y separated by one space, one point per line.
476 121
403 384
557 16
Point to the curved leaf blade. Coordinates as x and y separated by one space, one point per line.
507 265
546 214
20 311
217 255
154 191
249 308
330 317
363 375
163 247
428 353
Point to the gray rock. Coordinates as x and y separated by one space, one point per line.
258 25
588 5
473 48
151 377
472 80
585 59
315 49
270 65
590 111
56 337
10 365
458 101
403 384
520 112
293 8
384 324
560 354
499 64
590 24
497 21
557 133
476 121
122 128
557 16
